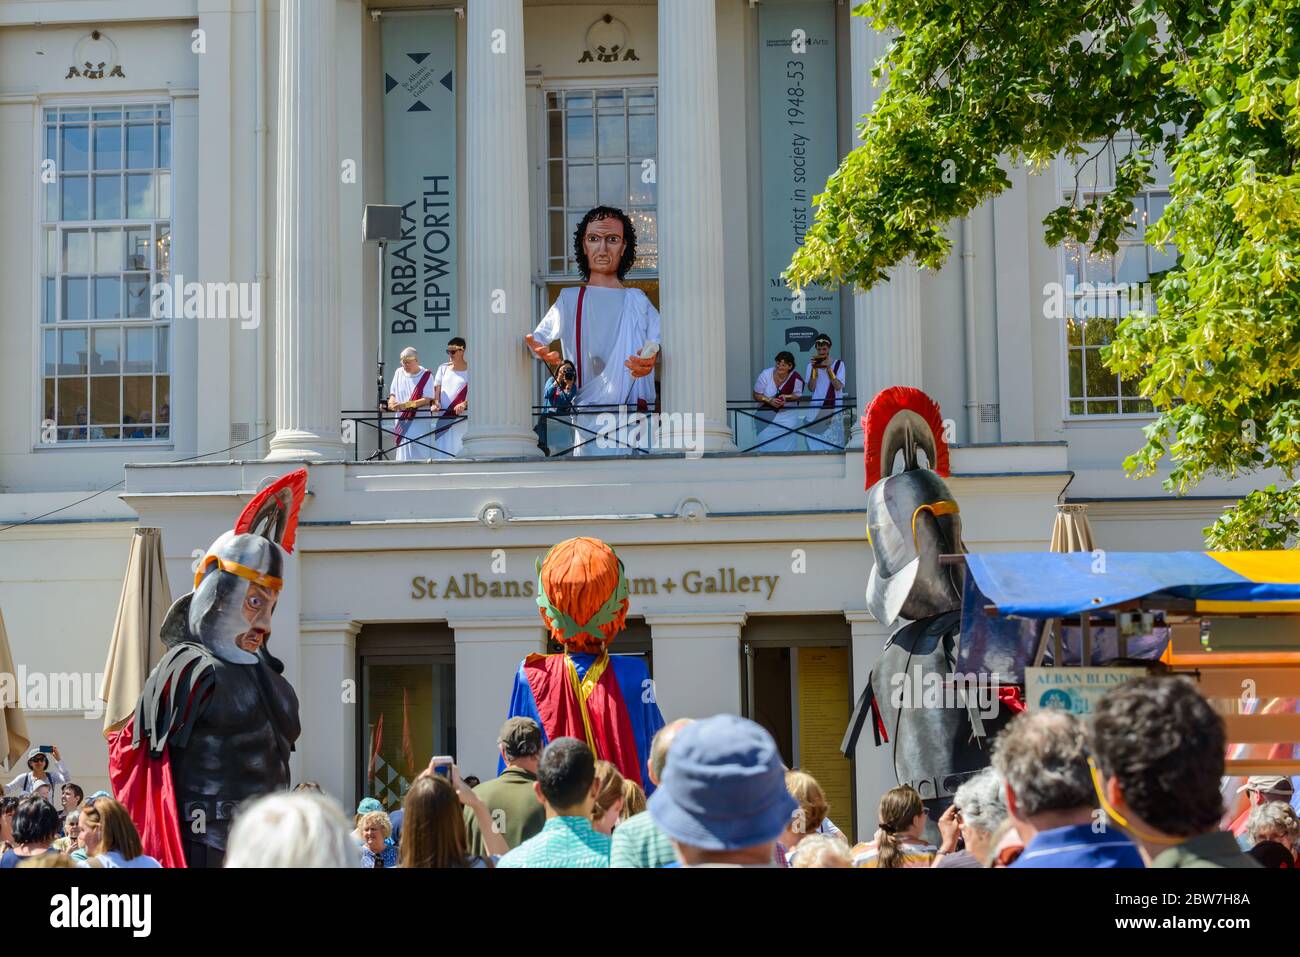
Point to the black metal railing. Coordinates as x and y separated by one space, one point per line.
385 431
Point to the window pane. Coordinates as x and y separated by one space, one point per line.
139 350
108 250
641 134
79 113
51 264
108 147
105 403
108 297
642 193
139 146
1140 406
137 249
1103 408
139 197
75 298
555 133
48 410
164 195
1099 381
580 141
641 97
71 408
105 356
555 183
164 349
72 351
76 201
51 202
1098 332
582 185
612 135
108 196
161 402
1078 408
76 251
165 146
559 239
613 184
1076 372
76 149
164 264
48 304
140 112
578 101
610 100
1131 265
1074 333
137 406
48 355
111 114
137 295
51 143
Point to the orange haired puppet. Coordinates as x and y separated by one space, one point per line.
584 692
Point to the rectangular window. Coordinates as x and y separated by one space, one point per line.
105 242
1100 290
602 149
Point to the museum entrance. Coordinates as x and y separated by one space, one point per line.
797 683
408 706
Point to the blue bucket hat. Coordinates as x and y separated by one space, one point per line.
723 787
369 804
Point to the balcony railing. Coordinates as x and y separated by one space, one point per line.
603 431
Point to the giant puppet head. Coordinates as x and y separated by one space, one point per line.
582 594
912 518
238 579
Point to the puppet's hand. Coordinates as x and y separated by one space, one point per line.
549 356
641 367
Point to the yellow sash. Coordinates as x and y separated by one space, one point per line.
582 690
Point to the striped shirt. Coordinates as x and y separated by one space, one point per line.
914 853
563 842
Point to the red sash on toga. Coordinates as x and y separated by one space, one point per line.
448 412
404 420
607 728
829 400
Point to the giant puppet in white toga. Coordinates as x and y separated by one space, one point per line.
609 331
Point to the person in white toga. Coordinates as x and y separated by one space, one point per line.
824 378
451 401
411 396
609 331
778 390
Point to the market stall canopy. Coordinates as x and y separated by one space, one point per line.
1055 585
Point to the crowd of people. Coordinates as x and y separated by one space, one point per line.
1141 785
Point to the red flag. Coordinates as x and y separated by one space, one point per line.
408 753
143 785
375 740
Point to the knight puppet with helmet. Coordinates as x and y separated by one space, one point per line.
913 520
585 692
217 719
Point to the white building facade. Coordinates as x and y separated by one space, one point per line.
236 143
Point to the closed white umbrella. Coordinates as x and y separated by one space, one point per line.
13 723
135 647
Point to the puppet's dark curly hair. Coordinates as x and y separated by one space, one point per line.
628 259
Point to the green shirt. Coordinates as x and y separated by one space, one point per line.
638 842
1215 849
564 842
510 799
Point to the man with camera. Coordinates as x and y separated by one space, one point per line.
825 378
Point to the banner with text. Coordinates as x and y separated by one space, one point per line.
419 61
799 150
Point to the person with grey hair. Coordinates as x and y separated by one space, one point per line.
1273 821
977 810
291 829
1042 757
412 396
638 842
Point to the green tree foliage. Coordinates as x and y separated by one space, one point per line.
977 83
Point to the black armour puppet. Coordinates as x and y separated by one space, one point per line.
939 722
217 720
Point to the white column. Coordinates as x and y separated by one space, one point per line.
328 699
488 653
886 320
498 293
873 766
697 663
307 297
690 219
